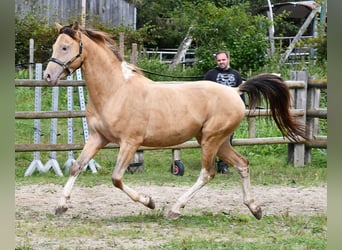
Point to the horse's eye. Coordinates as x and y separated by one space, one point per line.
64 48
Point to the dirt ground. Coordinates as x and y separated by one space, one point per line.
106 201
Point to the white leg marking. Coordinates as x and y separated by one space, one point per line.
67 192
203 179
248 199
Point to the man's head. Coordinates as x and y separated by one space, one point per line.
222 59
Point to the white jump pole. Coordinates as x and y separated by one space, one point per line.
52 162
70 104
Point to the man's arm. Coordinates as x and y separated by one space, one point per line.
210 75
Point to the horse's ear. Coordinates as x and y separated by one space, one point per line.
75 26
59 27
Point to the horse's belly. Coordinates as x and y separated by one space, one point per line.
164 137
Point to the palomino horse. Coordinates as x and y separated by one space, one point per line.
131 110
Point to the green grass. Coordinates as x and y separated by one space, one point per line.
207 231
266 171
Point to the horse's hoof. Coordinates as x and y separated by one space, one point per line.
60 210
173 215
258 213
151 204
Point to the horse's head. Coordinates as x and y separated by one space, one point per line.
66 55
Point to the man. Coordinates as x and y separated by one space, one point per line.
224 74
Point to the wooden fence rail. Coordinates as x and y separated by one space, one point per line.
310 114
318 142
319 113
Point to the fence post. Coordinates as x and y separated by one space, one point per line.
296 152
134 56
312 123
31 58
251 127
122 44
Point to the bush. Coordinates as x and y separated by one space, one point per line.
44 36
233 29
162 72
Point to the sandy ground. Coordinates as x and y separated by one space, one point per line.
105 201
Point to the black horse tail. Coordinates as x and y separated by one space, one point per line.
274 90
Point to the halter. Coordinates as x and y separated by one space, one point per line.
68 63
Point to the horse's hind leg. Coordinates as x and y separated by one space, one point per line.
207 173
94 144
126 153
241 164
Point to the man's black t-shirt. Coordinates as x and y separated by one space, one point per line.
229 77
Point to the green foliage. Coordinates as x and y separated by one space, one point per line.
144 35
168 29
162 72
320 43
32 27
215 25
232 29
44 36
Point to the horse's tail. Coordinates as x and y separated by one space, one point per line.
277 96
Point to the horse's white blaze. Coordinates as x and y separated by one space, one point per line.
126 70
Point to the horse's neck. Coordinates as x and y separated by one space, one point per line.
102 70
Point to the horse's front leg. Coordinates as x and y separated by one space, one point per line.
126 153
94 144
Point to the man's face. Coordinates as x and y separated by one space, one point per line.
222 60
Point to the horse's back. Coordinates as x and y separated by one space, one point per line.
184 110
203 96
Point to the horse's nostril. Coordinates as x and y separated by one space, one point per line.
47 77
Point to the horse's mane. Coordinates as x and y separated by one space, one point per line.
100 37
97 36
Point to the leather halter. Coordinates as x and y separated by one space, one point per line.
66 65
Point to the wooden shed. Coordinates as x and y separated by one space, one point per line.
111 13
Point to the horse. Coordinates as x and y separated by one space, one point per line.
129 109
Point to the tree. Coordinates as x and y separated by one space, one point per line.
159 13
217 24
233 29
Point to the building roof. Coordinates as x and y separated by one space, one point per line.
295 9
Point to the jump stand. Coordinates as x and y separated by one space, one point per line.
70 103
36 163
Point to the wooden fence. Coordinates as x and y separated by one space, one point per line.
305 106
